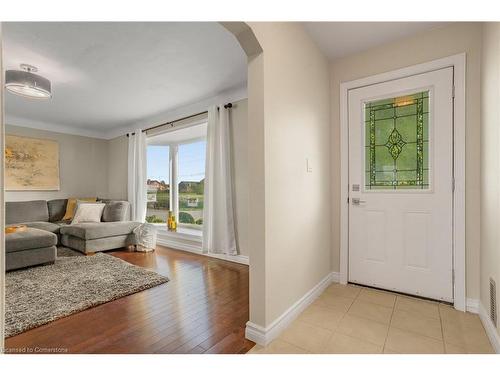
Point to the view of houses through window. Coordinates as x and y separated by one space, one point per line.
191 177
158 166
176 175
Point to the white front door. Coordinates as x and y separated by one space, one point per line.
401 185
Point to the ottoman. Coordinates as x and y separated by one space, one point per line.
89 238
29 248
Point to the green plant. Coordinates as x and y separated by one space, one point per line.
185 218
199 221
154 219
162 200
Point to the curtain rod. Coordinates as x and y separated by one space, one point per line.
227 106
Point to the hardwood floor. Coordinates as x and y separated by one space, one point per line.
202 309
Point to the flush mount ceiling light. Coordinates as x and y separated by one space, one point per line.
25 83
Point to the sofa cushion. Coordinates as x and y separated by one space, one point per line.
90 231
44 225
115 211
31 238
28 211
57 209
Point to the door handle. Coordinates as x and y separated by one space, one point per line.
357 201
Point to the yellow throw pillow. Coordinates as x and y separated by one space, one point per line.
71 206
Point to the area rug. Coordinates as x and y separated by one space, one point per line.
40 295
67 252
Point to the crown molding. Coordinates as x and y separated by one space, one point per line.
56 128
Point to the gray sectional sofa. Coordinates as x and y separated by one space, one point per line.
46 230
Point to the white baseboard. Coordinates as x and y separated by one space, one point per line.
490 329
335 277
241 259
472 305
264 335
195 247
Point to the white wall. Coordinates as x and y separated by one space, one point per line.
490 163
427 46
83 167
296 126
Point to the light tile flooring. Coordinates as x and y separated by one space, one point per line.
351 319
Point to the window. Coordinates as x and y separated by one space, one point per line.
158 164
397 143
191 177
176 176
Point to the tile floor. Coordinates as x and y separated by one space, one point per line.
352 319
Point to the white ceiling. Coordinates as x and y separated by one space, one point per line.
339 39
108 76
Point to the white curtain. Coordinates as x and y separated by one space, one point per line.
219 235
137 175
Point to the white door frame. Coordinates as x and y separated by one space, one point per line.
458 63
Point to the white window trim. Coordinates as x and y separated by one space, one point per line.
193 244
179 233
174 183
458 62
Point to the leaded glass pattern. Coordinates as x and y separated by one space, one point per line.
397 143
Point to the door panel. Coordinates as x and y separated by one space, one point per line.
375 224
416 239
400 185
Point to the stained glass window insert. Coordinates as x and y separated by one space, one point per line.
397 143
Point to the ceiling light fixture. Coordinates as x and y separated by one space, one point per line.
25 83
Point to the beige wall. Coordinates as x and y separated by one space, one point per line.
427 46
117 167
257 187
296 126
88 166
490 165
83 166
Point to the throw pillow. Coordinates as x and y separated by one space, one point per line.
88 213
115 211
71 207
